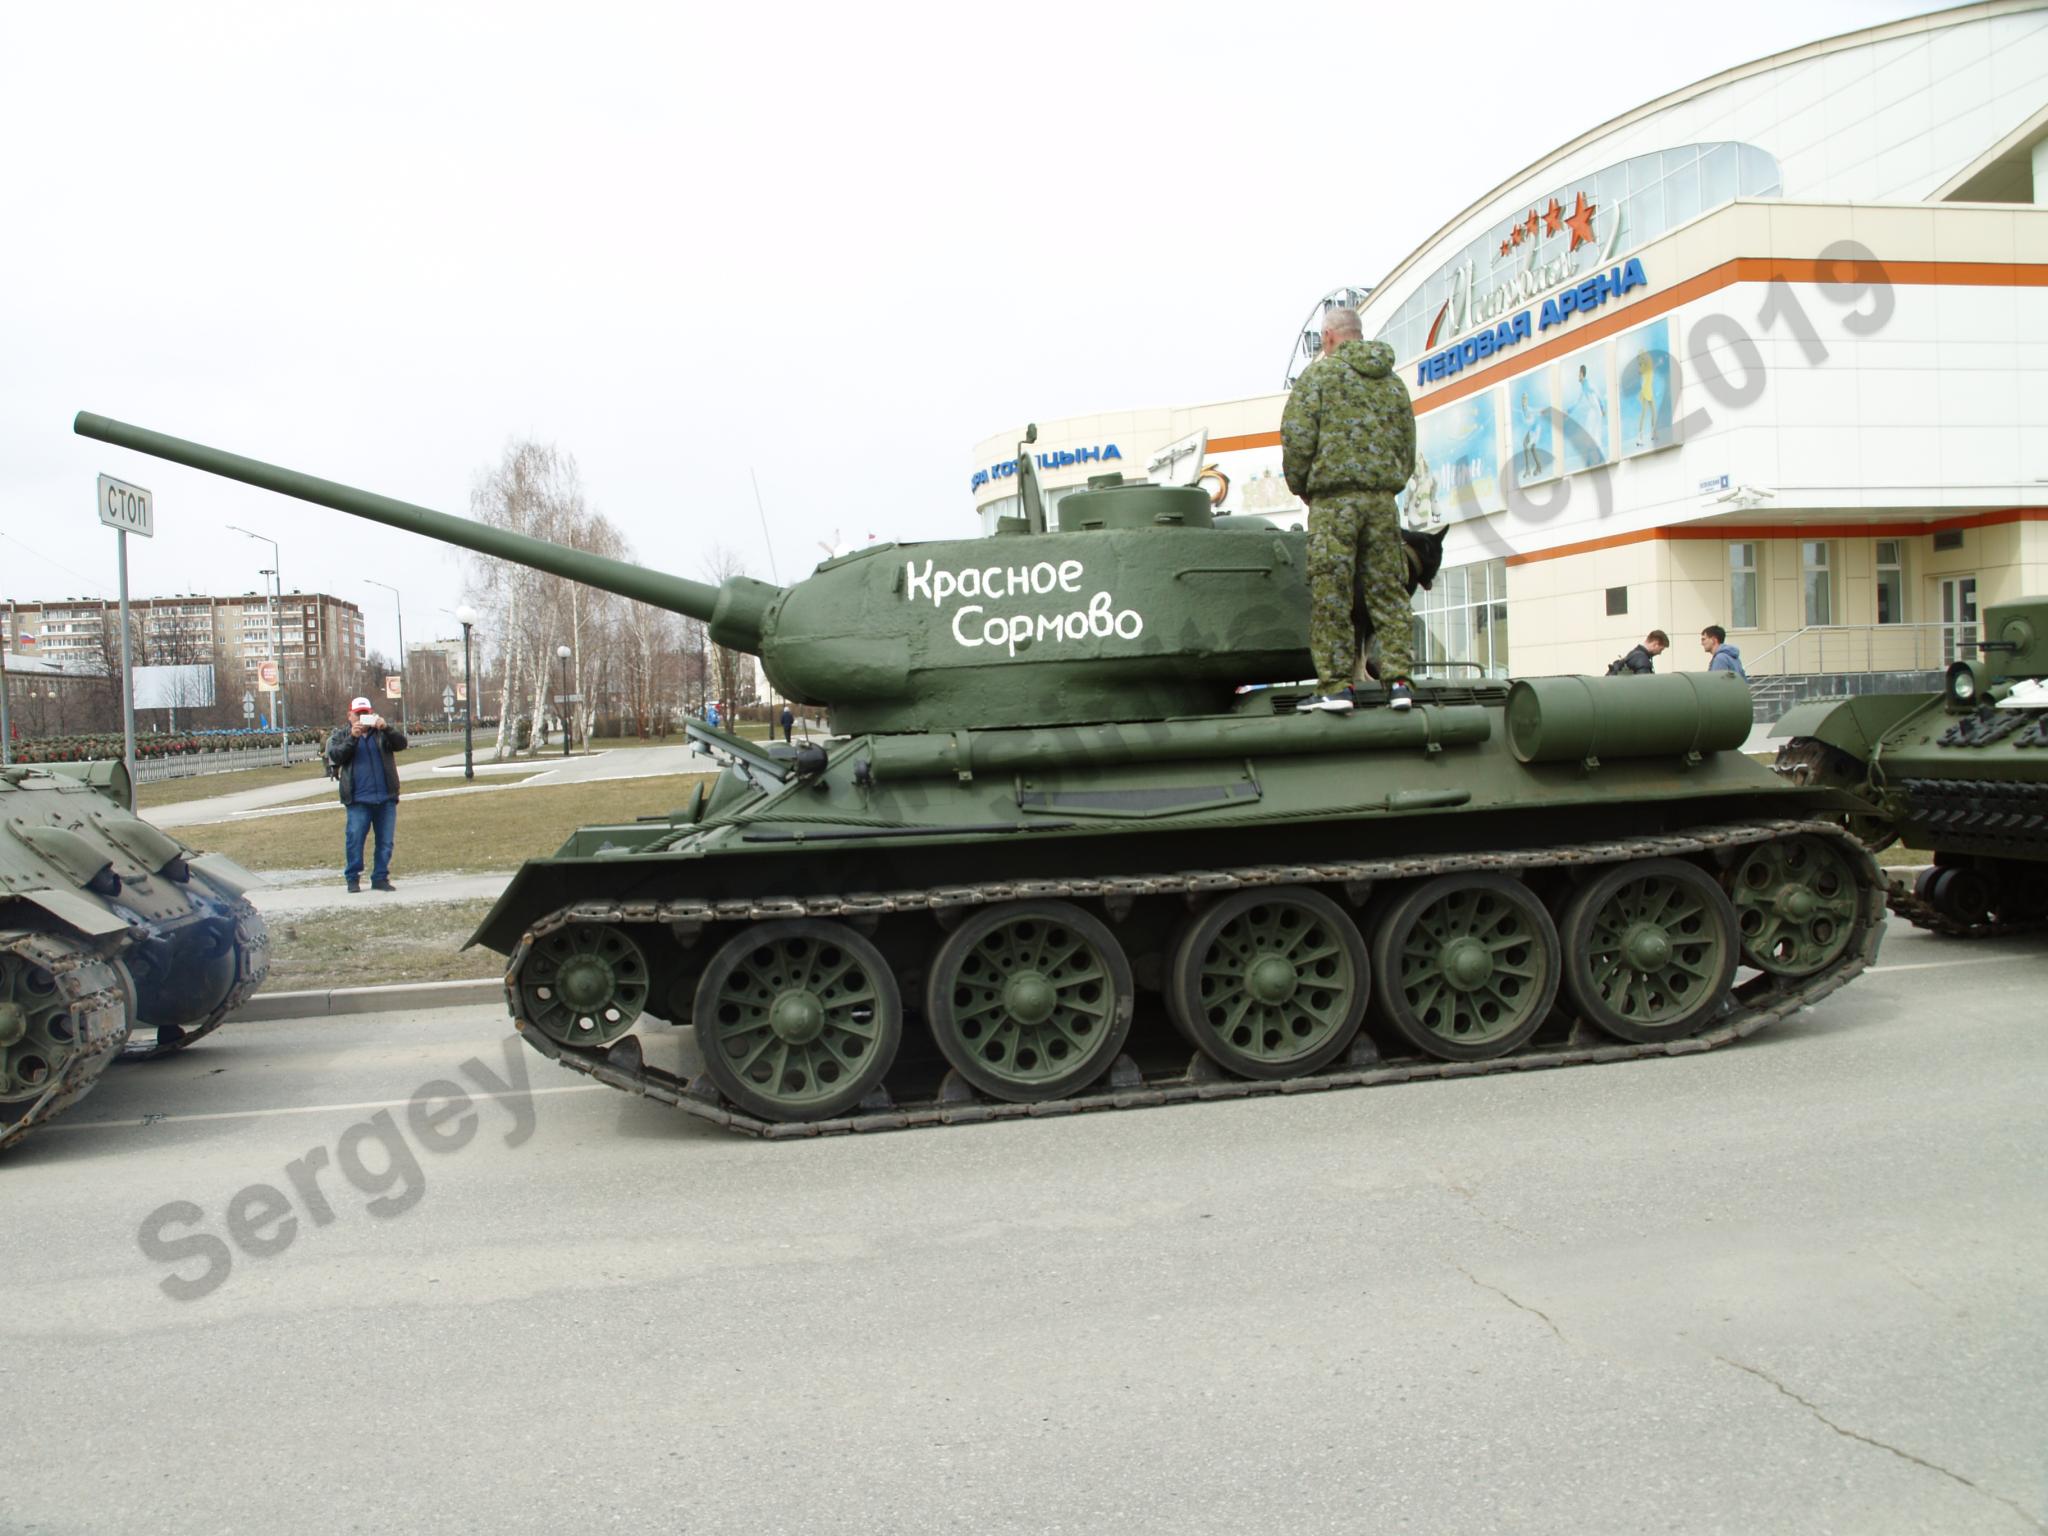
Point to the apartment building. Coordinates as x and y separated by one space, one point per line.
313 631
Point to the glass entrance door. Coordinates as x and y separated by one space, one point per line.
1958 618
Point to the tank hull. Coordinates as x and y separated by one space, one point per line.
116 940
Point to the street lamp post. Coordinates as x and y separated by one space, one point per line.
562 651
277 697
466 617
404 695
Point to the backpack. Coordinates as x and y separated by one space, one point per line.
1616 667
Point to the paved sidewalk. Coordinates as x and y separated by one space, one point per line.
440 775
328 894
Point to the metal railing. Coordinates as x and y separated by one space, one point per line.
186 765
1865 648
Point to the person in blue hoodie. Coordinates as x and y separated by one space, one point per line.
1722 657
364 759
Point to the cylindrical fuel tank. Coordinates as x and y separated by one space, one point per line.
1569 719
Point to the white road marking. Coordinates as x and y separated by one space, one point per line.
298 1109
1936 965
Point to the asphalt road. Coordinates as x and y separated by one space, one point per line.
1794 1285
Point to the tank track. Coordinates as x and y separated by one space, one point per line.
252 966
1752 1004
1923 914
96 997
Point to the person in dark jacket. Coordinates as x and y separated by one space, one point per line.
1722 657
788 724
364 756
1643 659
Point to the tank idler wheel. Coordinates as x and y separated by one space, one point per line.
1923 883
585 984
1466 966
1649 949
1030 1000
798 1019
1795 905
1270 983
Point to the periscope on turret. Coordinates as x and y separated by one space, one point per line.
1055 855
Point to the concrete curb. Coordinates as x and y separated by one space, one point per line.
326 1001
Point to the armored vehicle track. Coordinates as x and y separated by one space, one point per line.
1801 903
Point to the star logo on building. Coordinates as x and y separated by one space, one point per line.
1580 221
1504 247
1553 218
1515 235
1531 224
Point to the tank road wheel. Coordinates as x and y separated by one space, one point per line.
1961 895
1270 983
1795 905
798 1020
1467 966
584 984
1649 949
1030 1000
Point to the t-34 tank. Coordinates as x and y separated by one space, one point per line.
1963 772
115 938
1052 858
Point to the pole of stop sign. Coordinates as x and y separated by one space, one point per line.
126 509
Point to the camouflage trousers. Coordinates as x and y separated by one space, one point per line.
1357 566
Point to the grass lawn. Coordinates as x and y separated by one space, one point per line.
378 946
451 834
202 786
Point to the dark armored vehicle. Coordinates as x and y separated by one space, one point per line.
1056 855
1963 773
115 938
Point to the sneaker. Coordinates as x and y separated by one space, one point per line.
1400 696
382 885
1338 703
354 889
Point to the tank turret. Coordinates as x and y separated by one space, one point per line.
1057 854
1134 606
1962 773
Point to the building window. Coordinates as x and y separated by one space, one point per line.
1617 601
1817 580
1742 586
1461 623
1891 581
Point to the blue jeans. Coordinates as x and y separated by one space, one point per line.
361 818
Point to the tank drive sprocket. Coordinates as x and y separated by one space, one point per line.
63 1018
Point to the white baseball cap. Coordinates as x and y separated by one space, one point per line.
361 706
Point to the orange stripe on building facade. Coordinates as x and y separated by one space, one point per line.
1742 269
1715 532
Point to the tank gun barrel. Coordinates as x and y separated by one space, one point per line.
735 611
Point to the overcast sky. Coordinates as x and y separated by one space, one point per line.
835 245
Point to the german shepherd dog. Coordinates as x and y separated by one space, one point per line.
1425 553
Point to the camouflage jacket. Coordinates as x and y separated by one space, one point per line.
1348 424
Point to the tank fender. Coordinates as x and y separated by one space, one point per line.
74 910
1854 726
224 874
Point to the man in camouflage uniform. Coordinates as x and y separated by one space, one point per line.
1348 444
